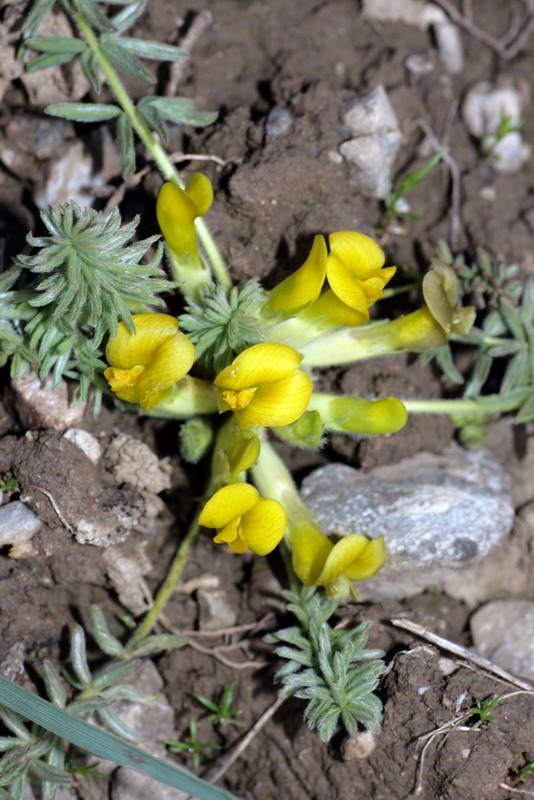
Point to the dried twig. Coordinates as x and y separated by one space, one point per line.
507 47
177 157
464 653
244 743
455 215
200 24
54 506
230 631
118 195
517 791
215 652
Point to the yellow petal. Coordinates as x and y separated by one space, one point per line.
200 190
358 252
368 417
228 503
124 382
463 319
261 363
278 403
310 549
343 556
263 526
303 286
370 560
172 359
330 306
228 533
176 212
129 349
437 292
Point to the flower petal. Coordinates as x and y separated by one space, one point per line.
358 252
176 212
369 561
343 556
330 306
310 549
172 359
243 453
278 403
200 190
303 286
264 525
226 504
127 349
261 363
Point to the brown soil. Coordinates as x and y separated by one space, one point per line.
272 196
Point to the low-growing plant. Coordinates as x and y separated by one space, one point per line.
222 712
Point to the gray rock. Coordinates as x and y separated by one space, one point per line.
41 406
155 721
18 523
132 461
503 632
376 141
279 121
438 513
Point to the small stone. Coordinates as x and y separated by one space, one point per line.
376 141
87 443
215 610
438 513
279 121
503 632
359 746
126 573
18 523
41 406
132 461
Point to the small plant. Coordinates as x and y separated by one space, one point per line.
482 709
522 773
8 483
222 712
192 745
395 203
489 143
328 667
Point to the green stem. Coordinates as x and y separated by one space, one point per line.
490 404
167 588
166 167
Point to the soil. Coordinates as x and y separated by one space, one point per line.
273 194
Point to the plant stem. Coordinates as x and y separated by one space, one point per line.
166 167
167 587
489 404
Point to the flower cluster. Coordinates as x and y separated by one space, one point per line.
268 384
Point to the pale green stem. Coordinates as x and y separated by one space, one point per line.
408 287
168 586
491 404
192 396
349 344
274 480
297 332
166 167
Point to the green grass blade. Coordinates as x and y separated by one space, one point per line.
103 744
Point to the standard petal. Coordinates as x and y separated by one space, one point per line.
343 555
264 525
278 403
370 560
128 350
200 190
172 359
360 253
228 503
303 286
310 549
176 213
261 363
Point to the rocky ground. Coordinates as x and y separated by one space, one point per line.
99 504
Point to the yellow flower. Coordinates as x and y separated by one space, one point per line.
244 520
429 328
146 363
304 285
264 386
177 209
319 562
